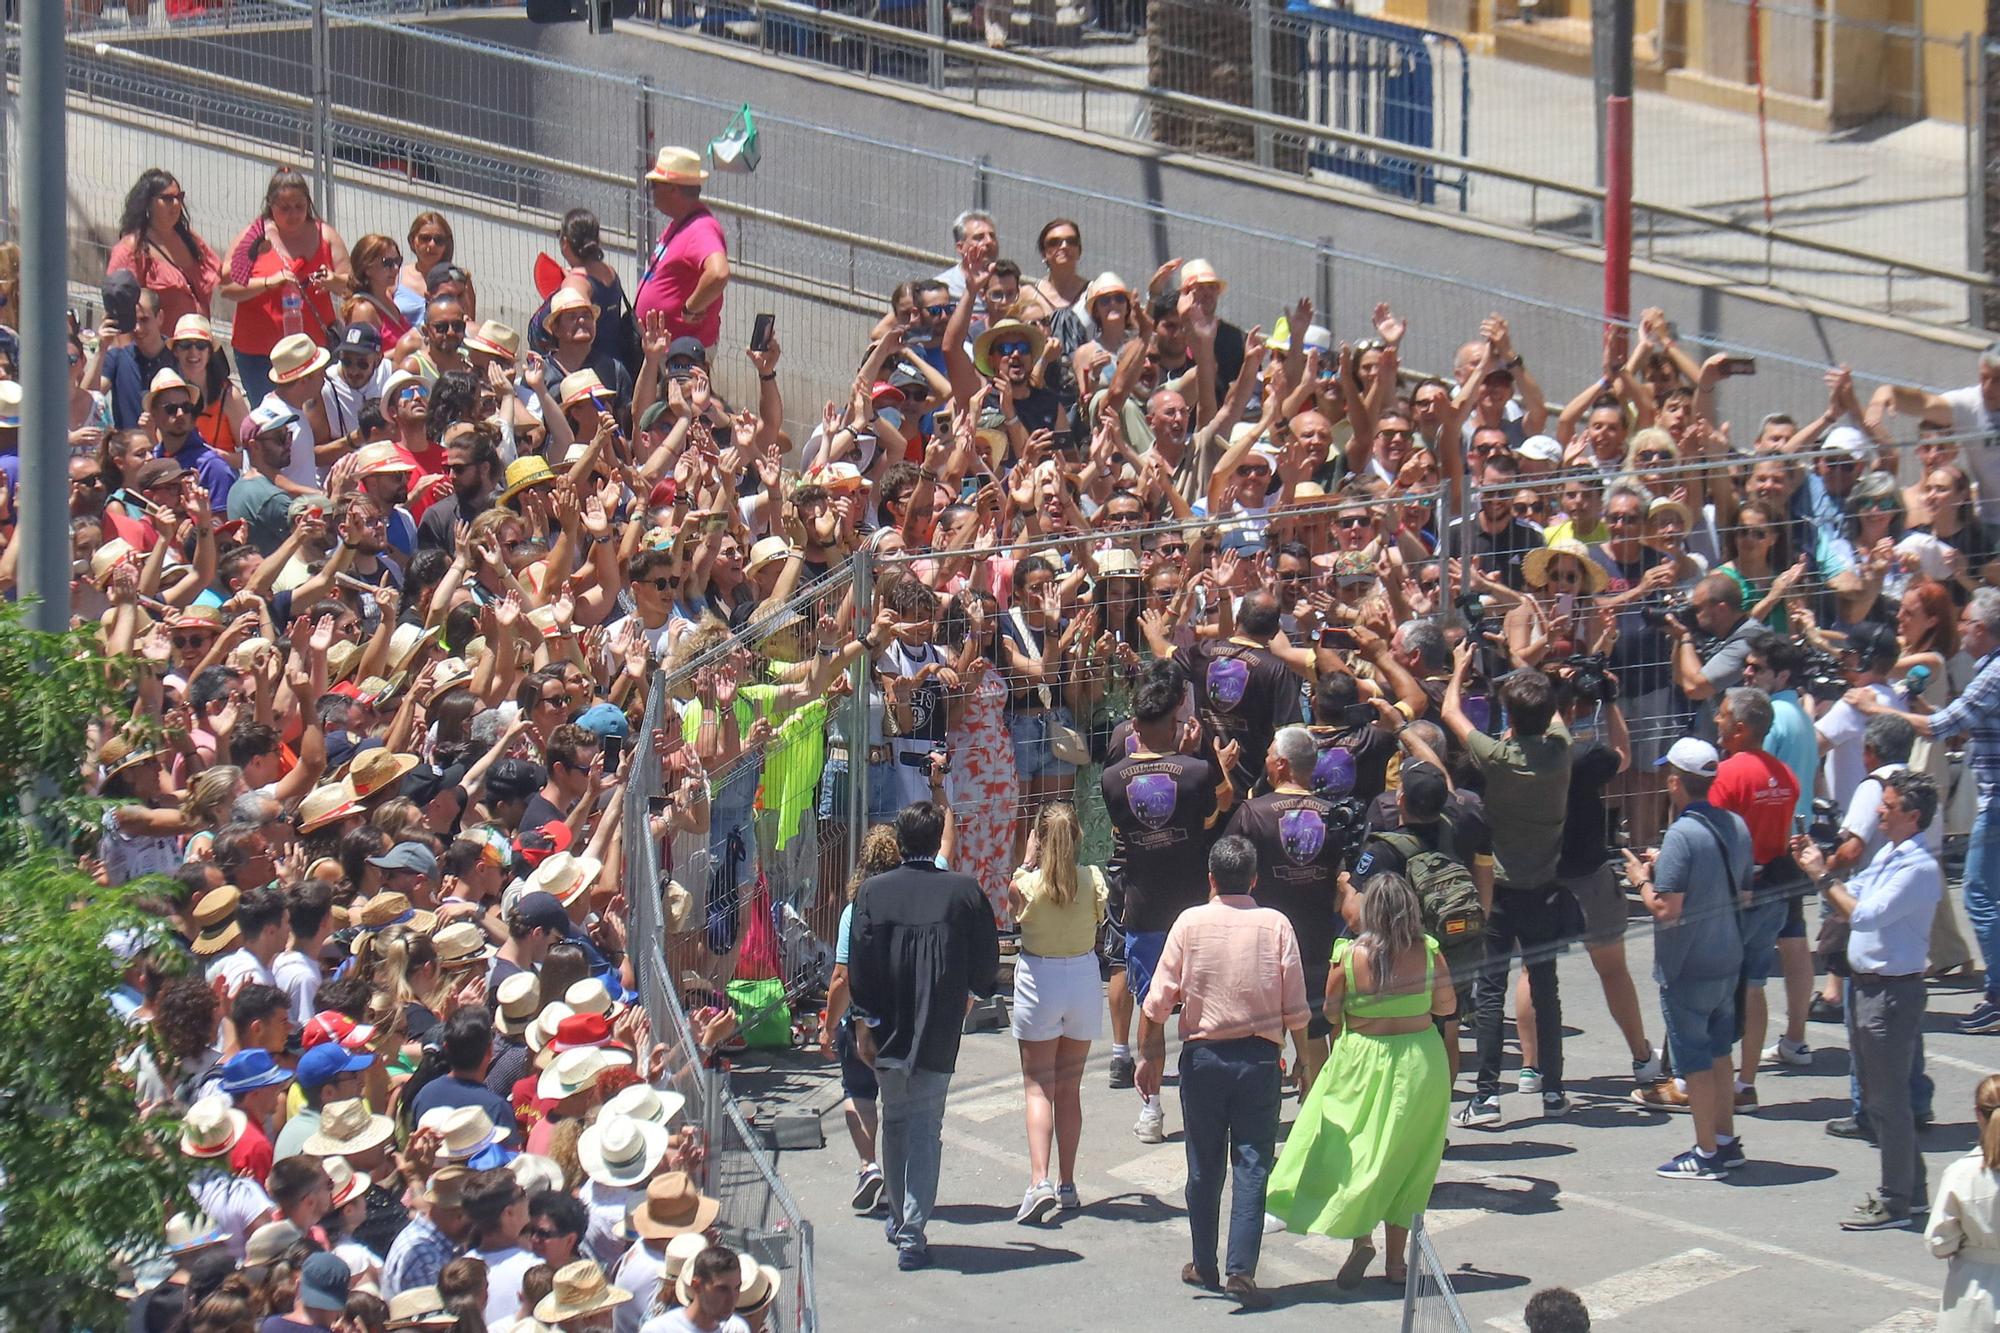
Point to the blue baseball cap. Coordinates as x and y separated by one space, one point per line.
604 720
247 1071
328 1061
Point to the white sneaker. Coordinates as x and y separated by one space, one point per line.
1151 1126
1531 1079
1038 1205
1788 1052
1647 1071
1273 1224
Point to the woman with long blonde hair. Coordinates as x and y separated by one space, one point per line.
1058 1000
1964 1227
880 852
1366 1146
207 803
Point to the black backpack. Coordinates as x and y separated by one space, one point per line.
1450 900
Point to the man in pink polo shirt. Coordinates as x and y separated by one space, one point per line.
689 265
1234 969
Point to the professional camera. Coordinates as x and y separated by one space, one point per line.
1346 822
1590 678
1825 827
1472 611
1656 617
1823 678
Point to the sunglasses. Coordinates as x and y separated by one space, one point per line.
456 468
389 261
1074 242
1880 507
545 1233
1356 521
1012 347
447 326
1397 434
174 409
1760 532
1565 576
1530 507
1164 549
1429 584
430 238
1622 520
174 198
945 309
198 639
88 479
1255 471
666 584
1655 456
413 391
192 345
1114 298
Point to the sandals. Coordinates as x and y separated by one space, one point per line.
1356 1266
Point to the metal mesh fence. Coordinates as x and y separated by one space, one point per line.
1429 1304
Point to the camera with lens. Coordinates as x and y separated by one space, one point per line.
1589 678
1346 826
1825 827
1823 679
1472 610
1656 617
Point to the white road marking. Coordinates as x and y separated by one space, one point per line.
1161 1171
1650 1284
1910 1321
1953 1062
987 1106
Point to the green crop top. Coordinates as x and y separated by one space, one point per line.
1388 1006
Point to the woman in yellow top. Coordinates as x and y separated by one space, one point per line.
1058 999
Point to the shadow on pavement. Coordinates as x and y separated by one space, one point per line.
972 1260
1502 1150
1762 1175
1812 1109
1539 1197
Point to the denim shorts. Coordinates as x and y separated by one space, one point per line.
857 1078
1701 1022
1795 920
1034 756
883 792
1142 955
1760 926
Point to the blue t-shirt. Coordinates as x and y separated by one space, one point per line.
1704 943
840 937
450 1091
1794 743
130 375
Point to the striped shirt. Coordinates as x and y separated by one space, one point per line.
1976 711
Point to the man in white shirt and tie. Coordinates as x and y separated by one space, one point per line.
1888 906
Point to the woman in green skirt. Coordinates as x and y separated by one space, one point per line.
1366 1145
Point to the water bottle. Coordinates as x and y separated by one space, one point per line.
292 301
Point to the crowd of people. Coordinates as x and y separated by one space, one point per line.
1248 682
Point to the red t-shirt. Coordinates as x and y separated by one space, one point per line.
674 272
252 1154
1759 787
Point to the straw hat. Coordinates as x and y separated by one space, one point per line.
579 386
107 556
372 460
1118 563
589 996
618 1150
327 805
767 551
212 1127
193 328
525 471
407 641
520 1001
348 1184
1106 283
462 944
565 875
451 673
392 909
494 339
419 1307
1197 272
1007 330
349 1127
760 1284
215 920
1667 505
543 1030
341 659
297 356
268 1243
642 1101
679 904
574 1072
122 752
673 1207
677 166
188 1232
566 300
1535 567
580 1290
165 382
446 1187
377 771
465 1131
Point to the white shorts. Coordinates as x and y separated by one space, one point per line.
1057 997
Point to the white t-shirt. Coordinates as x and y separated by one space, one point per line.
504 1271
236 1204
604 1239
639 1272
1970 416
677 1321
237 967
1864 816
343 405
298 977
302 468
1841 726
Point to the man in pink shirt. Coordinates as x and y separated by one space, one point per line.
1234 969
689 266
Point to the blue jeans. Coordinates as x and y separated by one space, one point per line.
1229 1103
1982 886
1034 754
910 1148
1922 1090
255 372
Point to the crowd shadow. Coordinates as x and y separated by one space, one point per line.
1541 1196
984 1260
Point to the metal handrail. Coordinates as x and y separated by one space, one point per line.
1189 103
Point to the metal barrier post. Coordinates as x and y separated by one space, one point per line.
1260 73
6 114
862 589
937 21
322 112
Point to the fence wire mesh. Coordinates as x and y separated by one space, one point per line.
1429 1304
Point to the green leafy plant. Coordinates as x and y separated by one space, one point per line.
84 1178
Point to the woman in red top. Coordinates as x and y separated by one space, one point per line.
159 246
285 252
377 262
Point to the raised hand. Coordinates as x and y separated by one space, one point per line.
322 636
1389 324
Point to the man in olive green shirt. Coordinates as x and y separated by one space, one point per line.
1526 793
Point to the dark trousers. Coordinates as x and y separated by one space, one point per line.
1887 1018
1229 1103
1530 920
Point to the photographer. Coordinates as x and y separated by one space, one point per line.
1866 659
1343 724
1302 840
1583 687
1526 772
1715 610
1433 821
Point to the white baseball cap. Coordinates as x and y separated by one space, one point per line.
1695 758
1540 449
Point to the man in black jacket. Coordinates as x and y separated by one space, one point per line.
922 942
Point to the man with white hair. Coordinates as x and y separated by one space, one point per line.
976 237
1976 711
1971 411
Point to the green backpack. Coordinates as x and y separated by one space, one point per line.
1450 900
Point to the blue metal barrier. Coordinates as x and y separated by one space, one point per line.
1387 80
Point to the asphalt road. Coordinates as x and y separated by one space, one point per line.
1526 1204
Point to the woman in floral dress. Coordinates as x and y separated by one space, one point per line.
984 790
